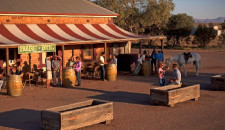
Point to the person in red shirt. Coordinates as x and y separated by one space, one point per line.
161 72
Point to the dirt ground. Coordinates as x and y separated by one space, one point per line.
130 95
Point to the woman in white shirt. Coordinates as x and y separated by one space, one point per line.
139 63
102 63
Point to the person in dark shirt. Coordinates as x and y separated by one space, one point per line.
56 70
153 61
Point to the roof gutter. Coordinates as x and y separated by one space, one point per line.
43 15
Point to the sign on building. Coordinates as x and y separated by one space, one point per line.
36 48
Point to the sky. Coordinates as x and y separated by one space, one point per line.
201 9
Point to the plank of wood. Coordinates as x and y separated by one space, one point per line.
50 114
70 106
51 122
218 83
88 118
186 95
175 95
167 87
68 114
47 127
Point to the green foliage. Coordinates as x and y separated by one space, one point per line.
223 25
179 26
204 35
222 38
140 16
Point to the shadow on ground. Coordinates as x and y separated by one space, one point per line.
120 96
204 79
25 119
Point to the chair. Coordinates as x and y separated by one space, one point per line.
2 84
96 71
89 70
28 77
41 76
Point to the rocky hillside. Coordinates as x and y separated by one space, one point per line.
217 20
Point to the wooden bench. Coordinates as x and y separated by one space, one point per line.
218 82
77 115
172 94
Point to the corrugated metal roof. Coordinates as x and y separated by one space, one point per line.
53 7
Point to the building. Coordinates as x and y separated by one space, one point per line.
32 29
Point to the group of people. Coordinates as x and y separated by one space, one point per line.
53 66
17 70
103 62
157 62
175 79
156 58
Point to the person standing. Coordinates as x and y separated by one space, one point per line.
49 71
114 60
56 70
148 56
139 63
161 73
153 61
71 62
77 67
102 63
160 57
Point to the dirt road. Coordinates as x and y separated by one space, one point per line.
130 96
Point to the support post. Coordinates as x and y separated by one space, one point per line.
150 44
140 47
129 47
63 56
162 45
7 61
62 62
29 56
105 49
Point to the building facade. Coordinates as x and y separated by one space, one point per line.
76 27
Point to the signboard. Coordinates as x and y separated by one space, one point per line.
36 48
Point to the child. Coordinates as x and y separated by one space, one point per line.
176 79
161 73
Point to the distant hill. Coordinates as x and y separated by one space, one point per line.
217 20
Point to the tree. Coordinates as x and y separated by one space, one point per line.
222 36
223 25
157 15
204 34
179 26
139 15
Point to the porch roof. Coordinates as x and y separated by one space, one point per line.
21 34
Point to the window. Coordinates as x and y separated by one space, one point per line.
88 52
12 56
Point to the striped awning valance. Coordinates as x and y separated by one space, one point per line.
17 34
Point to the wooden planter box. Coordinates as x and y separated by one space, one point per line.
218 82
172 94
77 115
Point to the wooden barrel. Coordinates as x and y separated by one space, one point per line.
68 78
146 68
111 72
14 85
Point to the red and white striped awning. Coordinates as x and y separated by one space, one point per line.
17 34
